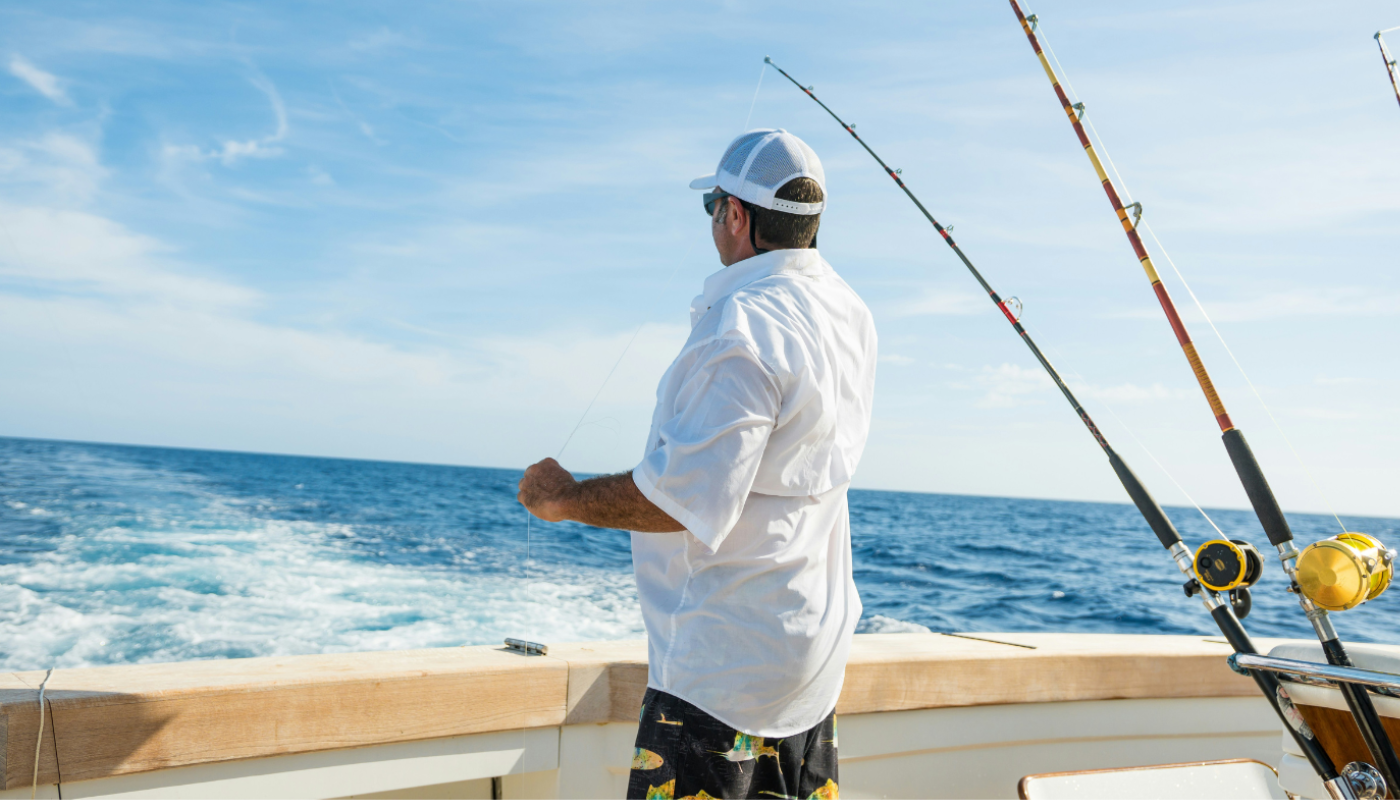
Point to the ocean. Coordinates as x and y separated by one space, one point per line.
116 554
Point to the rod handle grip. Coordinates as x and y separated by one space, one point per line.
1153 513
1257 487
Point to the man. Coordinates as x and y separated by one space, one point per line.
741 536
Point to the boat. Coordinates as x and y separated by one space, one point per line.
920 715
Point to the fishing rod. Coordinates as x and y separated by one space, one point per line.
1317 589
1222 590
1389 61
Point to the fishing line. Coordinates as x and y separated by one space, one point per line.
1389 61
637 332
1201 308
1011 308
39 744
584 416
1084 383
626 348
1080 107
1103 150
1252 480
761 71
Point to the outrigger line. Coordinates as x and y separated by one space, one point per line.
1220 603
1389 61
1251 476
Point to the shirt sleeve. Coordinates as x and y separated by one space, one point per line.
708 452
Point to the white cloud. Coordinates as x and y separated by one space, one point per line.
233 150
941 303
119 310
44 83
1129 392
78 253
382 39
896 359
1310 302
259 148
1010 385
57 167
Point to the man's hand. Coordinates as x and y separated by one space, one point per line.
612 501
547 489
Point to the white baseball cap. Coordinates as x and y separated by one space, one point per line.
759 162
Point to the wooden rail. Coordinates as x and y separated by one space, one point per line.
109 721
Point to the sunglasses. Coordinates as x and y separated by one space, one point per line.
711 198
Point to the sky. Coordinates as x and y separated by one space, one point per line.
432 231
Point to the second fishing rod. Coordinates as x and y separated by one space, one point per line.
1220 602
1251 475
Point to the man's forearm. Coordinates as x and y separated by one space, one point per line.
614 501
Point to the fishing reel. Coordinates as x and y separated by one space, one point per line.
1230 566
1344 571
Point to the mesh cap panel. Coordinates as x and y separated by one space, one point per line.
780 160
738 153
758 163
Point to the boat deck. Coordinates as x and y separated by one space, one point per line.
390 723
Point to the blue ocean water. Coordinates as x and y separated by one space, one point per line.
117 554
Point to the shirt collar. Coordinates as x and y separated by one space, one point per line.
731 279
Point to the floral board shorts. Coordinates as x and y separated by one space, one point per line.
685 754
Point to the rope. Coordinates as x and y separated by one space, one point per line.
39 744
761 70
1102 149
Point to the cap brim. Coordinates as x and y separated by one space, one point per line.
707 182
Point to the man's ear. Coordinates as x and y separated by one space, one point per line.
738 212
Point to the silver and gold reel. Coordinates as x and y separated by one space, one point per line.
1345 571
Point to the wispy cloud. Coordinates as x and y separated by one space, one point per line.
1011 385
940 303
56 167
264 147
45 83
1314 302
382 39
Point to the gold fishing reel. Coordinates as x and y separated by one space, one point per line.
1345 571
1223 565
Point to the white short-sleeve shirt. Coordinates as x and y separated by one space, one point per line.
759 425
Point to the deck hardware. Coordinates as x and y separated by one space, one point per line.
1365 780
528 648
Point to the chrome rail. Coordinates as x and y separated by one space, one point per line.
1244 662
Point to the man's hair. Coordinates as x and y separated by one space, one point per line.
784 230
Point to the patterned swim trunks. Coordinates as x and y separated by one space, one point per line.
683 753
